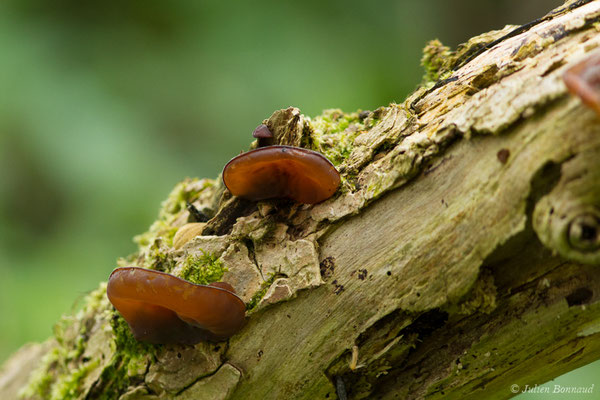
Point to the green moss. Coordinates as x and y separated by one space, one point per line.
131 359
374 120
40 382
133 351
258 296
184 192
96 300
348 183
334 133
204 269
68 385
56 378
187 191
125 343
65 368
439 61
436 61
481 298
158 229
62 370
158 256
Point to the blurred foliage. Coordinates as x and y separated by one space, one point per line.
104 106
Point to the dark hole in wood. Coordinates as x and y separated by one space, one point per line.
579 296
588 232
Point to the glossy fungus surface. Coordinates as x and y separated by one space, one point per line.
263 135
583 80
162 308
262 131
281 171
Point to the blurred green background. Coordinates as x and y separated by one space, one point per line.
104 106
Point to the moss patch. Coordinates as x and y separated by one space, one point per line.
158 257
482 297
69 386
258 296
187 191
436 61
126 344
134 354
333 134
127 366
439 61
40 382
65 367
203 269
95 354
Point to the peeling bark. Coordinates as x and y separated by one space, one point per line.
450 264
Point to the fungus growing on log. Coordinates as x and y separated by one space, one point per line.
163 309
583 80
263 135
281 172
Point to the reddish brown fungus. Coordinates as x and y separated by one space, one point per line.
262 131
583 80
281 171
263 135
503 155
162 308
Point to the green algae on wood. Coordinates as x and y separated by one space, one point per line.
258 296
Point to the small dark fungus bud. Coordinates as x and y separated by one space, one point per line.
503 155
163 309
262 131
290 172
583 80
364 114
362 274
327 267
263 135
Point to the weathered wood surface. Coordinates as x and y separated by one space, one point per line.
451 260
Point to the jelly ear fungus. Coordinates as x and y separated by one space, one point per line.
281 172
162 308
583 80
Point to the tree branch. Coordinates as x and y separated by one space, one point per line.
444 267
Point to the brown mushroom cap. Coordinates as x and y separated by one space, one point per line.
281 171
262 131
583 80
162 308
263 135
